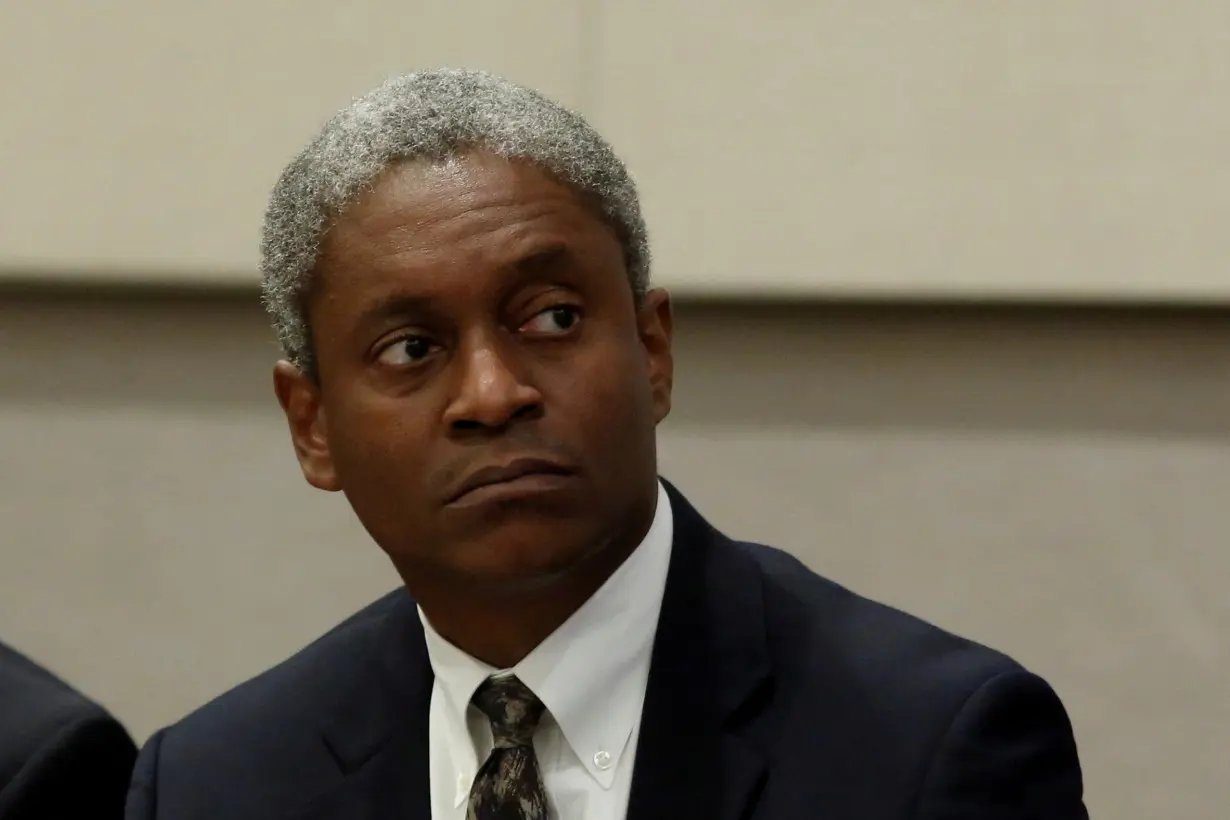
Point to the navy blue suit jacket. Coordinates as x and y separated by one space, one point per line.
773 694
62 756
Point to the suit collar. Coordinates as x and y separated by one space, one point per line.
709 676
388 694
377 733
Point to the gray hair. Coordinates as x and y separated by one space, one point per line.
431 115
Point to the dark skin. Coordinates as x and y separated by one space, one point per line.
469 314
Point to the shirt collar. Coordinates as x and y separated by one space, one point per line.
592 671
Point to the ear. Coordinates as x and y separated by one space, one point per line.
655 324
299 396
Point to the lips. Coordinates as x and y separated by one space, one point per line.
507 474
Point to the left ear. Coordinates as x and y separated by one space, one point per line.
655 325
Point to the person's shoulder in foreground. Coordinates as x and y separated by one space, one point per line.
858 708
61 755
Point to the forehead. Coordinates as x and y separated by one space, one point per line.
470 212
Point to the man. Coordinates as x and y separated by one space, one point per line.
458 272
61 756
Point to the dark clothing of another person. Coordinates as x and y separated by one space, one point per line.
61 755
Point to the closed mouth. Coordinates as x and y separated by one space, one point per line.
503 474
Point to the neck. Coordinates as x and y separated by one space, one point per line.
500 625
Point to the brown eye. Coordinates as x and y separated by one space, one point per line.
554 320
405 351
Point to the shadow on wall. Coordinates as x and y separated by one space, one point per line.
1051 370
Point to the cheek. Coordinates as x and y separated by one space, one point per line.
380 448
381 462
615 399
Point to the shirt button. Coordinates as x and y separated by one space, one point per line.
602 760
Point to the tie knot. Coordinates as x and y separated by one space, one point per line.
514 711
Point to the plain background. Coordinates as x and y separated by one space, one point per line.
1051 480
1050 149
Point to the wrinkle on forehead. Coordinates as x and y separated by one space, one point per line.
428 208
470 213
469 181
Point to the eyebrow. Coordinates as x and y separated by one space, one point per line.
392 306
544 260
398 305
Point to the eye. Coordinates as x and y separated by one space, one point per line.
408 350
554 320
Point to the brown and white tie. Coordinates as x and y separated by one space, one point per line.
509 785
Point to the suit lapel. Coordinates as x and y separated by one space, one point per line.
708 682
378 733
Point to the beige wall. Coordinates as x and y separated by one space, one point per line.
1054 484
1051 149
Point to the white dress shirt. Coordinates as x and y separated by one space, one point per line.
591 675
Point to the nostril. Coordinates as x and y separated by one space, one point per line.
526 411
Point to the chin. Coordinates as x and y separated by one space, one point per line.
528 554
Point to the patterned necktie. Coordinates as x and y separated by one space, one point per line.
508 786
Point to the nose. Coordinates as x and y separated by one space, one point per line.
490 393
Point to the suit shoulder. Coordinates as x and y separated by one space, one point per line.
258 744
829 628
277 698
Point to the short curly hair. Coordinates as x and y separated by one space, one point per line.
431 115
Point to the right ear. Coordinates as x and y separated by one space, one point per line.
299 396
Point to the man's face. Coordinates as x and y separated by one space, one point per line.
487 389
